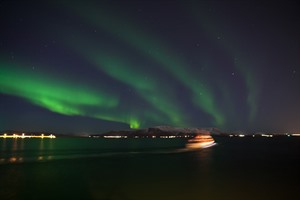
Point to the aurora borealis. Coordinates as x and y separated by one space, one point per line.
76 66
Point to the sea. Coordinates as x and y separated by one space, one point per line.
150 169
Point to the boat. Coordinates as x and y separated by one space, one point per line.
200 141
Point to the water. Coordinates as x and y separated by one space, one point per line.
116 169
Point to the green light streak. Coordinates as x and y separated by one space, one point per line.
53 94
156 50
213 29
65 97
251 83
147 88
134 124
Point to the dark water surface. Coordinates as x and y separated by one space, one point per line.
128 169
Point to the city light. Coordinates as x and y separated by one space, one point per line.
266 135
15 136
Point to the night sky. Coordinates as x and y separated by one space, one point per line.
92 66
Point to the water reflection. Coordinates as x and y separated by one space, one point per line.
3 144
15 145
14 150
202 169
42 150
12 159
205 155
50 144
41 146
21 147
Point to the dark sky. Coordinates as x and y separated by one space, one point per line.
92 66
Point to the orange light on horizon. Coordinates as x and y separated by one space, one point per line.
15 136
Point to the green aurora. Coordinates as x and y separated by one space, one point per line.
202 95
160 97
226 39
56 95
143 64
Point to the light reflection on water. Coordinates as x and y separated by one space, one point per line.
15 150
32 150
21 150
231 170
3 145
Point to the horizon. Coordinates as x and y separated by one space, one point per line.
84 133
